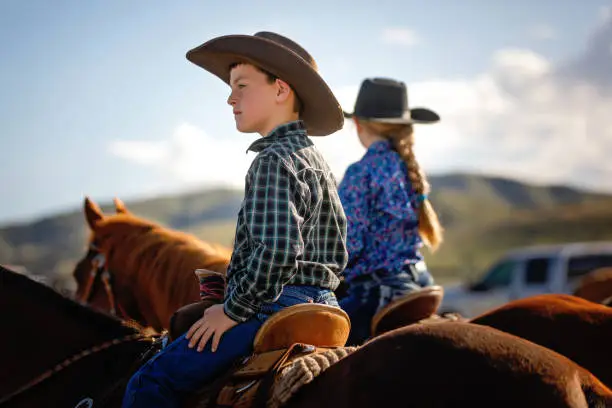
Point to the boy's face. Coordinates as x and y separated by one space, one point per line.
253 98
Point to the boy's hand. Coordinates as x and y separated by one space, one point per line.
214 323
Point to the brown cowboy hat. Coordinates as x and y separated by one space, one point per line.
321 112
385 100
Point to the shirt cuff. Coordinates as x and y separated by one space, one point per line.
237 309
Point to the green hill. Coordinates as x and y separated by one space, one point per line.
482 216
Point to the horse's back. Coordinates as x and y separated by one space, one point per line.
574 327
453 364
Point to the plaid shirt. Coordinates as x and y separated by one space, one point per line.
291 227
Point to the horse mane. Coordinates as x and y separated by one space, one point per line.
9 280
147 248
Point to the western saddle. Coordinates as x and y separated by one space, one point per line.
307 323
290 333
407 310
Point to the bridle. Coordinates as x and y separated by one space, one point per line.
100 268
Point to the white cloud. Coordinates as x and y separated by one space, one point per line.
141 152
399 36
521 117
189 157
542 32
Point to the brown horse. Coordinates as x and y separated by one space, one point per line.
141 269
446 365
596 286
577 328
455 364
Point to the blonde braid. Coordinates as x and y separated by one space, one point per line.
402 138
403 142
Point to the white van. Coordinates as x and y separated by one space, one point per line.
526 272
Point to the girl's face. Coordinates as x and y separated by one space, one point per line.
365 136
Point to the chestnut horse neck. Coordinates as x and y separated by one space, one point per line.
155 265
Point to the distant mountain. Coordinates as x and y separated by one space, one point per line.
512 192
482 216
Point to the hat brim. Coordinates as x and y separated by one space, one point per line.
415 115
321 111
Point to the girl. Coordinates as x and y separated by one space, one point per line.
384 196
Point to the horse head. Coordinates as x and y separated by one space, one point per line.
138 269
95 281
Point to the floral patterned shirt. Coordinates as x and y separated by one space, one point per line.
382 213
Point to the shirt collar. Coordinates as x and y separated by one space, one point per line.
294 128
380 146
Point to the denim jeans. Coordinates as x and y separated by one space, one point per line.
177 369
368 295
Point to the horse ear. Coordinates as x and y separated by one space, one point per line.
120 207
93 213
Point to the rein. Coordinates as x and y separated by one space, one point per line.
100 268
71 360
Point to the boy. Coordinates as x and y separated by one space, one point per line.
290 244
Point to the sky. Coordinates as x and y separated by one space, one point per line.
98 98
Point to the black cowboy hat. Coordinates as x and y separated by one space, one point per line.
385 100
321 111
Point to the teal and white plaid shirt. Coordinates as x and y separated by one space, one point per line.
291 226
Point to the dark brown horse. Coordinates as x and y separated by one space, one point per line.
42 332
445 365
140 269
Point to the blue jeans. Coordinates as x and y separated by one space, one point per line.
177 369
369 294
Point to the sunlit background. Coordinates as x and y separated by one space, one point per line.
97 98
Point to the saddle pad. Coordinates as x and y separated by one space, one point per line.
239 389
301 371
